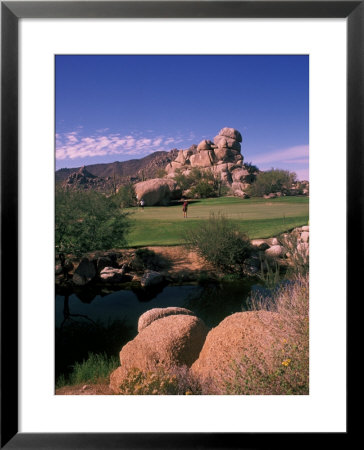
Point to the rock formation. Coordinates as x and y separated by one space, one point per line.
222 156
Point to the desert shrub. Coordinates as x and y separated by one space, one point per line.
220 242
298 253
251 168
202 184
147 259
269 273
204 189
126 196
95 369
271 181
88 221
182 180
159 381
253 172
283 367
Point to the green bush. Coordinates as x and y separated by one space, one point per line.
88 221
204 189
95 369
201 184
220 242
126 196
271 181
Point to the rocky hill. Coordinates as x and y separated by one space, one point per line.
134 169
83 179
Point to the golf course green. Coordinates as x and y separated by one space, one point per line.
257 217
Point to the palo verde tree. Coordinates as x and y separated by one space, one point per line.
272 181
126 196
88 221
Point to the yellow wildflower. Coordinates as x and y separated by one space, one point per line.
286 362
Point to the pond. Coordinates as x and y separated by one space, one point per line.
103 321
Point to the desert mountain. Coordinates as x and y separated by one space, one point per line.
134 169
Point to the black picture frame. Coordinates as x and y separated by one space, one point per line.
11 12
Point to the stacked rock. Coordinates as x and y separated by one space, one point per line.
204 145
204 156
227 145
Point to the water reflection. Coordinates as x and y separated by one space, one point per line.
215 302
103 321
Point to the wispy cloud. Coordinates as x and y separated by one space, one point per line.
291 155
72 145
293 158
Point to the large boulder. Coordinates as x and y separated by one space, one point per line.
85 272
171 341
157 191
229 342
157 313
181 157
224 154
231 133
202 159
223 141
275 251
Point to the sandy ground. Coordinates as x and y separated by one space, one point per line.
182 260
85 389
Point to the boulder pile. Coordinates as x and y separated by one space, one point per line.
222 156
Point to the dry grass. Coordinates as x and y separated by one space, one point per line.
160 381
282 367
297 251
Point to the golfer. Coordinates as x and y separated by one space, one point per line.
184 209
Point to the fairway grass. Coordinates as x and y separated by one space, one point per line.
258 218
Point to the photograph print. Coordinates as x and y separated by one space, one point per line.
181 225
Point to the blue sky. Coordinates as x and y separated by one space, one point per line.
114 108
